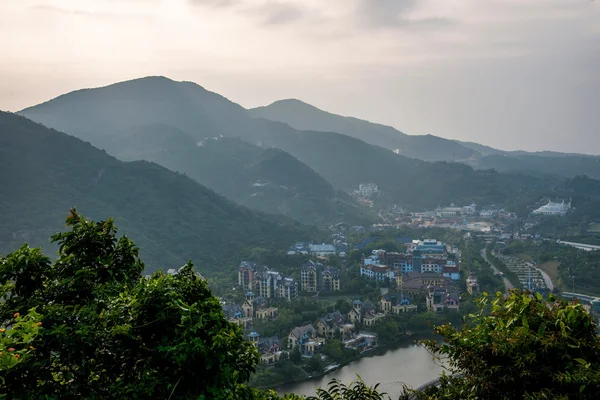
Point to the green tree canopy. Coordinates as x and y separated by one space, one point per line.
110 333
526 348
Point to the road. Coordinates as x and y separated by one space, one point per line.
547 279
507 284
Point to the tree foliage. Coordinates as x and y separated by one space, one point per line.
111 333
527 347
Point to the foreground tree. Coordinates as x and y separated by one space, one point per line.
526 348
110 333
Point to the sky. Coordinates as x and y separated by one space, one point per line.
512 74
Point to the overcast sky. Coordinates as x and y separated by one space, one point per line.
513 74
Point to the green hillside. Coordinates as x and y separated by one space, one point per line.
156 114
170 217
268 180
565 165
304 116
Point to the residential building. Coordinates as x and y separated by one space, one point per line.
270 349
470 210
302 248
322 250
377 272
451 211
309 276
253 337
330 280
332 325
438 299
433 264
364 313
266 283
472 285
236 315
246 273
305 338
315 277
385 304
288 289
367 190
451 270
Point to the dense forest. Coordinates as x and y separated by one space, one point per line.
172 218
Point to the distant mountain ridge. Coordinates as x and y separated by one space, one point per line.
160 120
304 116
169 216
168 116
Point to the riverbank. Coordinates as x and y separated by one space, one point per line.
379 350
392 370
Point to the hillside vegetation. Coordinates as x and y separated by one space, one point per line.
171 217
306 117
156 114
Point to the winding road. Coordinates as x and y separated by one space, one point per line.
507 284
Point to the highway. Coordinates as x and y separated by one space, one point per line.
507 284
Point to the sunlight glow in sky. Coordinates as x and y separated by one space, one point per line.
513 74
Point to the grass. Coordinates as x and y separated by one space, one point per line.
594 227
551 268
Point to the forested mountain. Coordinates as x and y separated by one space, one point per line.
269 180
304 116
172 218
185 128
156 114
561 165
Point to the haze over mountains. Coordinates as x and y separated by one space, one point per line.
266 165
171 218
188 129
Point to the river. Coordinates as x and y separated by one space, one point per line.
412 365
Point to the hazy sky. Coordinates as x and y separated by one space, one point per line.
507 73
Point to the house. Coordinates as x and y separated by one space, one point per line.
271 350
385 304
438 299
253 337
331 325
302 248
472 285
305 338
236 315
364 313
404 305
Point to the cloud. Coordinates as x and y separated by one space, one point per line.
216 3
277 13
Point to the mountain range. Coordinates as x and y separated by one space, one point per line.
428 147
171 218
179 165
174 123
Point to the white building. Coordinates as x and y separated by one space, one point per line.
378 272
322 249
554 208
367 190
